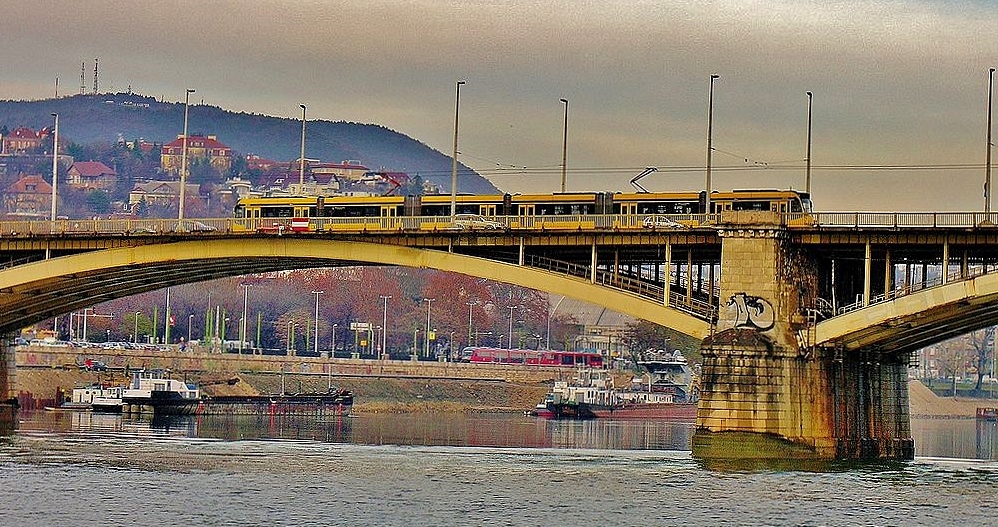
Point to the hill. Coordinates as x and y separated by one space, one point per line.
87 119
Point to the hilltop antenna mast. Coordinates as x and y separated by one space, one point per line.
83 78
95 76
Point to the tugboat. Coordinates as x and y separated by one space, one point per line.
665 392
152 391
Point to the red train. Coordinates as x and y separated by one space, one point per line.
531 357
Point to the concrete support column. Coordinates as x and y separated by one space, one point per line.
964 266
867 273
668 274
689 276
592 272
888 275
946 261
522 257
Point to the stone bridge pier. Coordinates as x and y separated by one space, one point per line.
766 391
8 403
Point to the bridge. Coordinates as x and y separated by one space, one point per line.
807 320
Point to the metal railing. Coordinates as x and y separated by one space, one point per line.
899 292
651 290
892 220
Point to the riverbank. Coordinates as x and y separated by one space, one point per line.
39 387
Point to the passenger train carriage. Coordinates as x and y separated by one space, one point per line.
515 211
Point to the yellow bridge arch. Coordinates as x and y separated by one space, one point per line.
39 290
917 320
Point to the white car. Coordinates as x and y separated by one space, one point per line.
661 222
475 221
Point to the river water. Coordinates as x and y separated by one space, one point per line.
81 469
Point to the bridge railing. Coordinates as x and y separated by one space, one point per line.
644 288
898 292
890 219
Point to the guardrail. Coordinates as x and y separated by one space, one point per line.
893 220
650 290
903 291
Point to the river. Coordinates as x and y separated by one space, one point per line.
76 468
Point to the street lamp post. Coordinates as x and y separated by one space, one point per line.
242 324
453 170
564 148
987 168
332 352
135 334
471 307
710 128
183 157
316 328
384 328
55 166
509 343
807 172
190 322
301 161
428 302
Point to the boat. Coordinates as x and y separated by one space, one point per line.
335 402
151 391
98 397
664 392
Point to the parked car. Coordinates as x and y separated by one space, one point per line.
661 222
475 221
194 226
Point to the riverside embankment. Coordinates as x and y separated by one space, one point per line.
43 372
379 386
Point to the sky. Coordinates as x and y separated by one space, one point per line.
898 114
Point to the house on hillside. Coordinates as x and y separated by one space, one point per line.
22 140
161 193
91 175
198 147
29 196
346 171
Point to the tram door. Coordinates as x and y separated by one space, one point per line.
526 214
388 214
487 209
628 215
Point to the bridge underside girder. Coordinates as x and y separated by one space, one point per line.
39 290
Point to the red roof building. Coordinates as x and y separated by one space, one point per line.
28 195
198 147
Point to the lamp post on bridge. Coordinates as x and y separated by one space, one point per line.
987 167
55 166
710 129
807 172
509 343
564 148
301 161
183 157
453 172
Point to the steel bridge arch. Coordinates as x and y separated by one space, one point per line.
36 291
917 320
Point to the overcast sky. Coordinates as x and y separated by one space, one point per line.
895 83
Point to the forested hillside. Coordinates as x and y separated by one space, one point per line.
104 118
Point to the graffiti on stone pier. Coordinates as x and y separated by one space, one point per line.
752 312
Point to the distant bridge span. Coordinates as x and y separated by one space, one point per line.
36 291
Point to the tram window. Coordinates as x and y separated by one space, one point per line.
276 212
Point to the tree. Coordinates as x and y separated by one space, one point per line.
98 202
